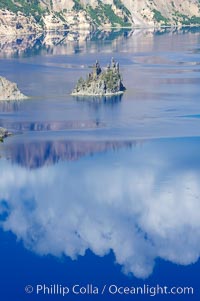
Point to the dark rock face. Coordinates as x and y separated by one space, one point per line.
98 82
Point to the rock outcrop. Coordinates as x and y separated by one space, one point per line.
3 133
13 23
98 82
9 90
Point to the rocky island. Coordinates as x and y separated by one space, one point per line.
101 83
9 90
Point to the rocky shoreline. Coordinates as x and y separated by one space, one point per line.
100 82
9 91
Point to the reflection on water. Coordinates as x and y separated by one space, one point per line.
100 99
160 72
9 106
56 43
82 41
39 153
51 126
142 203
84 175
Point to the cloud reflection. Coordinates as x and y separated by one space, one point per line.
141 203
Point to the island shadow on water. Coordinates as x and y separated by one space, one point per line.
114 99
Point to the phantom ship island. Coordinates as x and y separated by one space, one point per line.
101 83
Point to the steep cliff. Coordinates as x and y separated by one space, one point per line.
17 16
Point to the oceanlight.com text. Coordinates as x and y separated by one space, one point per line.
111 289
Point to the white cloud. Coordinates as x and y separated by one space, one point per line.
140 210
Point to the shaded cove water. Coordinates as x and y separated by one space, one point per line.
102 191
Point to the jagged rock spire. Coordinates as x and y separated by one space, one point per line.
108 82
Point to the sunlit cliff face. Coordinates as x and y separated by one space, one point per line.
141 203
89 14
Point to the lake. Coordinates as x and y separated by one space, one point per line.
100 196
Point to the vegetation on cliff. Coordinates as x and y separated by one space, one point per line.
92 14
105 12
28 8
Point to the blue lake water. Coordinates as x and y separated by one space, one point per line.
101 191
